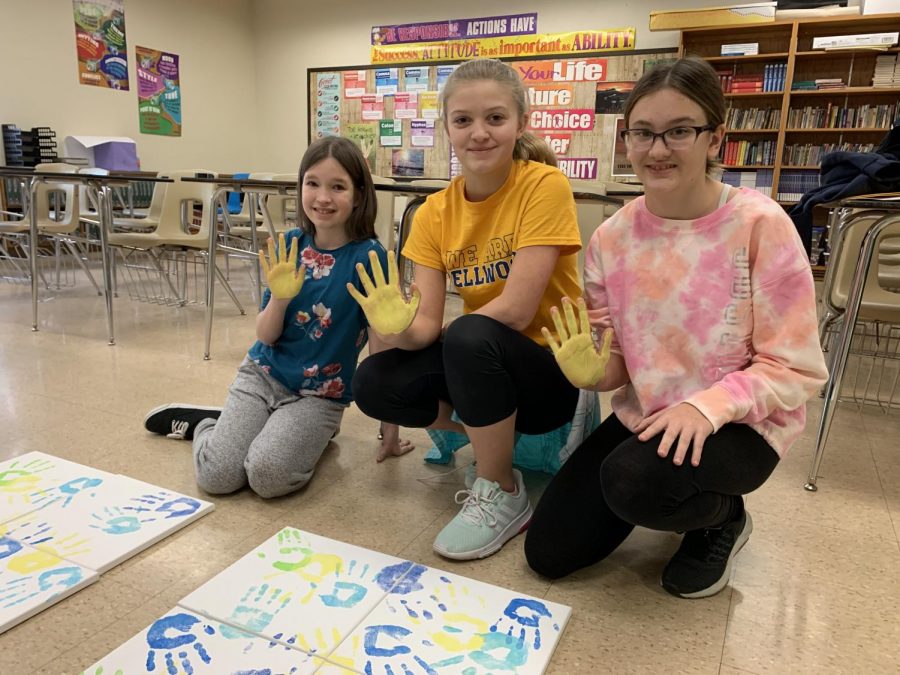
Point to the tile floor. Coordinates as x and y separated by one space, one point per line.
815 590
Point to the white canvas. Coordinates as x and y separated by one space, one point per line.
36 480
118 519
445 623
310 588
32 580
185 642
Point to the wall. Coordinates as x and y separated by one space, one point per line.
292 36
214 38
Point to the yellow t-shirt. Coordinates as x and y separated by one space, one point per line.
475 242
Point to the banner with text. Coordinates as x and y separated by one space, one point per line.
100 43
504 47
159 92
455 29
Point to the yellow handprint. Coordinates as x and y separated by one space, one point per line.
388 312
576 352
284 278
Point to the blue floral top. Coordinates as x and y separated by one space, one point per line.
324 327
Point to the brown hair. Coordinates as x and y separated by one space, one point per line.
528 146
692 77
361 223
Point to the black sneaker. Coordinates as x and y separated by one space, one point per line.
702 564
178 420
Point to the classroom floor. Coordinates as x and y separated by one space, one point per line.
815 589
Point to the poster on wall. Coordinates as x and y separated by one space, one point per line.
428 104
611 96
421 133
415 79
579 168
390 133
159 92
366 138
387 80
328 104
372 106
406 105
455 29
100 43
443 74
408 163
620 164
354 83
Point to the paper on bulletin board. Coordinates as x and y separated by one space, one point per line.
408 163
390 133
421 133
443 74
406 105
372 106
159 92
328 104
428 105
365 137
354 83
415 79
387 80
100 42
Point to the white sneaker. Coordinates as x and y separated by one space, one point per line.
489 517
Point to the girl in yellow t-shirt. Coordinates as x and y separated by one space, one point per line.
506 234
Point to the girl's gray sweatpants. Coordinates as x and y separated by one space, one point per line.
266 436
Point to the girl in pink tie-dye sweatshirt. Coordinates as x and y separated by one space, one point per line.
710 298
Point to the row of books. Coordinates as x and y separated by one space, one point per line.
748 152
792 185
807 154
755 180
774 75
822 84
887 71
753 118
833 116
28 148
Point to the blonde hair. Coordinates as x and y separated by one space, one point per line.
528 146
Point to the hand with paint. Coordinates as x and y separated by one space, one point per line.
175 637
576 352
257 608
285 279
386 308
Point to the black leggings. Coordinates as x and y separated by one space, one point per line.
613 482
484 369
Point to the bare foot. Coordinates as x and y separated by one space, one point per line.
392 445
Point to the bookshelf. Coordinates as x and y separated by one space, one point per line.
830 113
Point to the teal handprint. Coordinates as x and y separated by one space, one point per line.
18 590
66 492
256 609
114 520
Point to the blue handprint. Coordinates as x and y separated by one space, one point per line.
257 608
65 492
402 578
9 547
114 520
162 503
524 613
17 591
168 634
394 634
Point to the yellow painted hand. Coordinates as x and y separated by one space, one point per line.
284 278
388 312
576 352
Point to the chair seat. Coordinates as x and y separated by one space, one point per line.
129 223
147 240
13 226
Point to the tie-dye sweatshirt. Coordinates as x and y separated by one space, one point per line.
718 312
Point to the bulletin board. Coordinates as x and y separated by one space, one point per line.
583 94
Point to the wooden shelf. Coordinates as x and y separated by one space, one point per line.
748 166
752 94
803 167
751 131
846 90
749 57
867 130
851 51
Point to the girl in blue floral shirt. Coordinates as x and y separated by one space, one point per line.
290 393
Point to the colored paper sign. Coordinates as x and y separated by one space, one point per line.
372 106
581 168
406 105
455 29
408 163
159 92
550 95
455 166
621 166
328 104
100 43
564 70
428 105
415 79
551 44
390 133
443 74
577 119
365 137
421 133
559 142
387 80
354 83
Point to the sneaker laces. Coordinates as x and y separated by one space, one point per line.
179 429
717 544
475 508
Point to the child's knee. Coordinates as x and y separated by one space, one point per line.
269 480
220 482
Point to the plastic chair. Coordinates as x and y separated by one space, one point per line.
151 220
589 214
280 212
384 220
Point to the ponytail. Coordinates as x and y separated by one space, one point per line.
531 148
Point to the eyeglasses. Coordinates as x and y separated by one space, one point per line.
676 138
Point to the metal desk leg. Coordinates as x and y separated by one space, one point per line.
33 233
254 244
842 345
104 199
211 264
